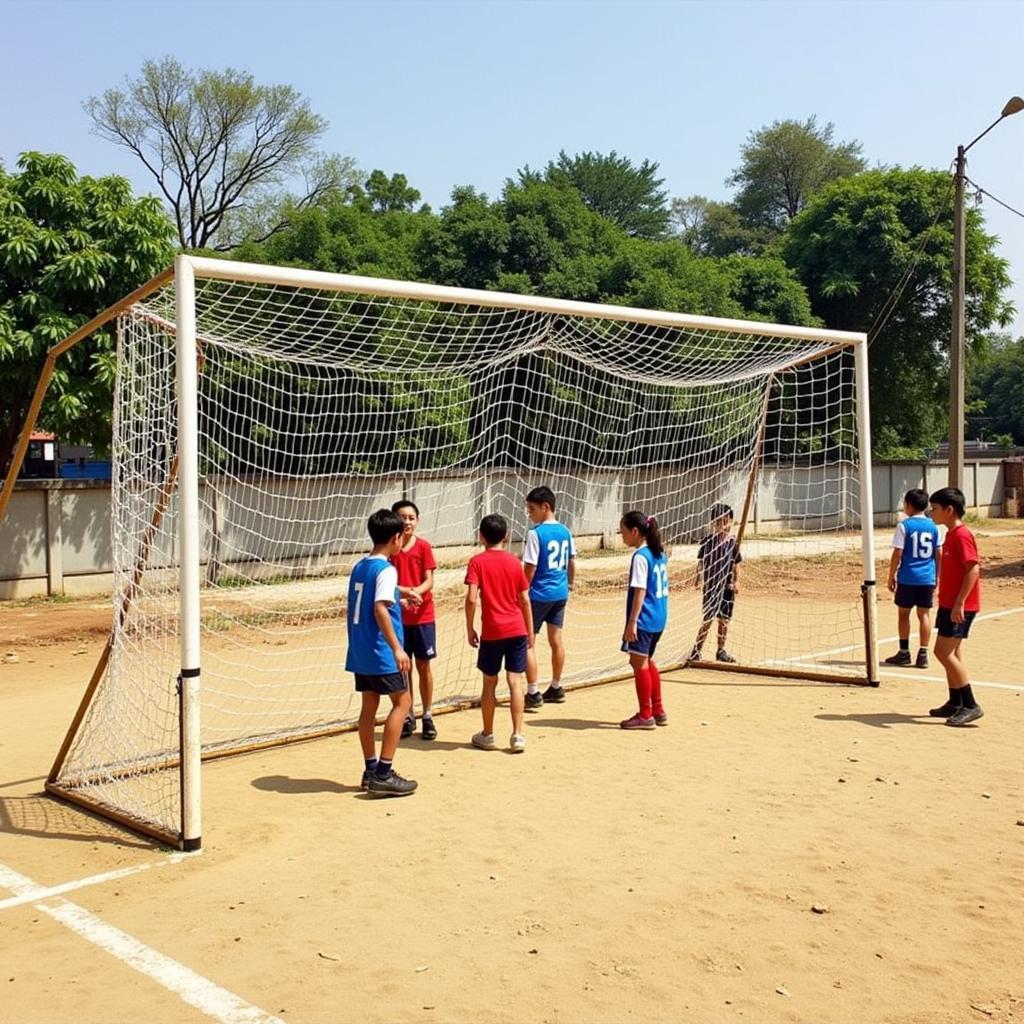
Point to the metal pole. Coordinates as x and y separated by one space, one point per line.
867 512
188 532
956 344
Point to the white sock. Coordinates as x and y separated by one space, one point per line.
533 687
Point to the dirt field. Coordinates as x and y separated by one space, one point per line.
604 876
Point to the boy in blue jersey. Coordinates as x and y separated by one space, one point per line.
549 561
646 616
376 655
913 573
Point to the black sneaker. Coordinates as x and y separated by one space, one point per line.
429 730
947 709
534 701
723 655
554 695
900 658
922 660
365 782
393 785
408 727
964 716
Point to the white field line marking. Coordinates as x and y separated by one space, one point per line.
907 677
80 883
190 987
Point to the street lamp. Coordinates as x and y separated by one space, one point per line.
956 348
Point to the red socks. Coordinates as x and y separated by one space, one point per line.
658 707
642 680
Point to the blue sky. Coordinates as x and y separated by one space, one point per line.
467 93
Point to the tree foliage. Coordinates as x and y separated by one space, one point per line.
851 248
784 164
69 247
995 388
711 228
223 149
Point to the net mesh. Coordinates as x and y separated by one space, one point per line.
318 407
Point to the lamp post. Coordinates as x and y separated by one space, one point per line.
956 346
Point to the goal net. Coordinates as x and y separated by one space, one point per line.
252 442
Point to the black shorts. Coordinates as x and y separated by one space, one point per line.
718 604
420 641
552 612
646 643
910 596
393 682
511 650
945 626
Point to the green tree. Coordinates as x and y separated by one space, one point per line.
711 228
381 194
784 164
630 197
223 149
69 247
995 388
852 246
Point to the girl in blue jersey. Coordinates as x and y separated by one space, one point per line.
646 615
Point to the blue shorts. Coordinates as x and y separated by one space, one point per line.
393 682
909 595
645 643
945 626
718 604
420 641
492 652
552 612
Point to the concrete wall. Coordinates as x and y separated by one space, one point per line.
56 538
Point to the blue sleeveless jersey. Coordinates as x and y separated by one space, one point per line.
368 650
551 574
654 611
917 563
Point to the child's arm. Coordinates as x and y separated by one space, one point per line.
528 571
527 610
410 596
636 603
894 563
415 594
471 634
970 578
938 563
571 570
735 577
383 617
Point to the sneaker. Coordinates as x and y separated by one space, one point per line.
484 740
661 719
922 660
534 701
393 785
902 658
964 716
428 729
517 743
723 655
945 711
636 722
554 695
408 727
694 655
365 781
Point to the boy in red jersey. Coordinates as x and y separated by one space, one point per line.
959 602
495 577
415 564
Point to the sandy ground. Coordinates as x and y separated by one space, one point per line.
604 876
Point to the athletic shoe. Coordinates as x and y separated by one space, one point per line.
636 722
484 740
903 658
945 711
964 716
554 695
534 701
408 727
723 655
429 730
661 719
517 743
365 781
922 660
393 785
694 655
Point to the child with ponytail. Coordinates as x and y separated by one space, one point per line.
646 615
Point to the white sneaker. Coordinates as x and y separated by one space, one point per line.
516 743
484 740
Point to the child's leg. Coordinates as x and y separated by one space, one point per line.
517 701
640 664
392 725
557 644
410 710
903 627
531 671
702 634
488 702
723 632
924 626
424 668
947 650
368 724
656 705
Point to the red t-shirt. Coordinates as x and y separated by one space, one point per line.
500 577
413 565
958 551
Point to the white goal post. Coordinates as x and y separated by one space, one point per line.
261 413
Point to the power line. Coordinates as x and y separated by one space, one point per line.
995 199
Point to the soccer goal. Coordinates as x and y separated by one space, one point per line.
262 413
